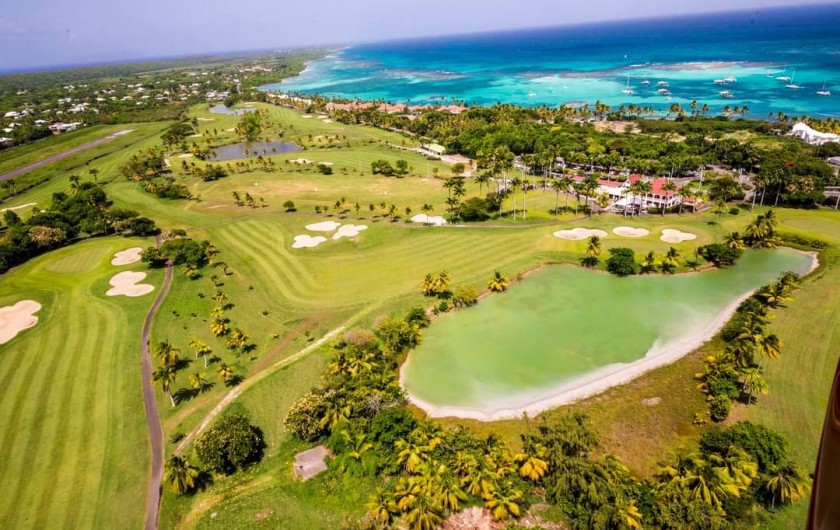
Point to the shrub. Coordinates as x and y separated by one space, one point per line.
396 335
184 251
230 444
622 261
290 207
765 445
720 407
324 169
719 254
465 296
474 209
796 239
152 256
303 418
734 210
417 317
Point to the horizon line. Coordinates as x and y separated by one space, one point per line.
57 67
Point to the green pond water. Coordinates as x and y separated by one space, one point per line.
565 327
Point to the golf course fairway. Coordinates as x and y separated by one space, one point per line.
565 333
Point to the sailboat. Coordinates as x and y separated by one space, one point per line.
663 84
784 77
725 94
627 90
792 85
823 92
645 82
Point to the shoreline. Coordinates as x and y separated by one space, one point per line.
592 383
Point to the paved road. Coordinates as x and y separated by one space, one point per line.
152 416
59 156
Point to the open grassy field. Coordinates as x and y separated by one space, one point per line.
105 157
74 441
283 298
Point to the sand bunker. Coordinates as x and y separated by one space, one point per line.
325 164
301 161
129 255
577 234
125 284
436 220
324 226
328 121
21 207
348 231
16 318
669 235
626 231
185 155
305 241
306 116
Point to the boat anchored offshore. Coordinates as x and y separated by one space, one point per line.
792 85
627 90
663 84
823 92
725 94
645 82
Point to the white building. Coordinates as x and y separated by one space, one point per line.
812 136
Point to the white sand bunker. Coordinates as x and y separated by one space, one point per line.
626 231
327 121
324 226
16 318
578 234
305 241
348 231
125 283
306 116
303 161
436 220
129 255
669 235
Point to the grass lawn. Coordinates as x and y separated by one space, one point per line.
74 451
283 297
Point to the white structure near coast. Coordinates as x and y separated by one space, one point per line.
804 132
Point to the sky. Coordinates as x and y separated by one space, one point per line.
39 33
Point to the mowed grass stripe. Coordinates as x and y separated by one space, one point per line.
263 265
271 233
90 450
48 511
41 434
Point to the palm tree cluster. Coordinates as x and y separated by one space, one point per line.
736 370
428 473
437 285
181 476
761 232
498 283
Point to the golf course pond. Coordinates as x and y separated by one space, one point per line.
565 333
252 149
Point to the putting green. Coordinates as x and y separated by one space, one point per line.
565 333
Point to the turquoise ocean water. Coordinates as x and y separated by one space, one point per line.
599 62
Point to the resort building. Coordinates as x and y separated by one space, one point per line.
812 136
621 197
433 149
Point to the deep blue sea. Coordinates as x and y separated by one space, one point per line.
600 62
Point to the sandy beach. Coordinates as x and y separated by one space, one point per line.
539 400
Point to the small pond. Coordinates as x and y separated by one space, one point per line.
565 333
222 109
251 149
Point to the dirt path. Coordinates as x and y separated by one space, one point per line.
59 156
149 403
251 381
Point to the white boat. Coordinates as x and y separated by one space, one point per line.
664 92
792 85
721 81
731 79
645 82
784 77
627 90
823 92
662 84
725 94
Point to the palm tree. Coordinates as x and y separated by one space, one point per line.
167 354
219 326
557 185
382 507
532 462
649 263
94 173
628 514
498 283
734 241
705 480
669 186
166 375
198 381
753 382
225 372
503 502
671 261
787 483
179 475
424 513
427 209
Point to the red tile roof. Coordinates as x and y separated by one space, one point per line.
656 184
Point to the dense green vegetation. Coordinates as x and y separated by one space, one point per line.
284 300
